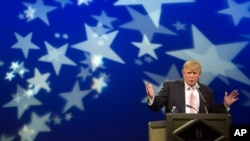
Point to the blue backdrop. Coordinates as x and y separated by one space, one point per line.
74 70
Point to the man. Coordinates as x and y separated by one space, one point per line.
188 95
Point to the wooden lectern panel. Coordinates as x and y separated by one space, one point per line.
179 126
157 130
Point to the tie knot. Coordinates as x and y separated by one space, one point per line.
191 88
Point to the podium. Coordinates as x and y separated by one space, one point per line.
191 127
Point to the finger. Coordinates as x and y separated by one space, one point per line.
226 93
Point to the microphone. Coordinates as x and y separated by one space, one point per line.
189 106
203 99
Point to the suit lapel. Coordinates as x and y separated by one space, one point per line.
181 94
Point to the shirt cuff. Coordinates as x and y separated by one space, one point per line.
227 108
150 101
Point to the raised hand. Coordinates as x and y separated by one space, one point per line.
149 90
229 99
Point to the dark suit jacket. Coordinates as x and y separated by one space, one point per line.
172 94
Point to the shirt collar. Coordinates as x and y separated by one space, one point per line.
197 86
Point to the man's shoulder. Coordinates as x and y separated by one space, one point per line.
203 86
175 82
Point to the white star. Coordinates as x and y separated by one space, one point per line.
146 47
74 98
1 63
26 133
213 58
68 116
39 81
38 124
105 20
99 84
84 73
21 16
99 45
247 94
100 29
65 36
148 27
20 69
148 59
14 66
41 10
138 62
105 76
24 43
64 2
93 61
86 2
6 138
29 13
9 75
57 35
57 120
57 57
96 62
179 26
21 101
237 11
153 7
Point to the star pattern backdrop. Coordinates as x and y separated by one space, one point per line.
75 69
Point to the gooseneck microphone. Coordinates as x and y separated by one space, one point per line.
189 106
203 99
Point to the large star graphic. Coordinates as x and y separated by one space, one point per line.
24 43
74 98
104 19
152 7
99 45
64 2
84 73
247 95
146 47
93 61
21 101
57 57
216 60
6 137
237 11
148 27
86 2
38 124
41 10
39 81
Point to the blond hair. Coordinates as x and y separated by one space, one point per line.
192 65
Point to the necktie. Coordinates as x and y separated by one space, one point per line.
192 101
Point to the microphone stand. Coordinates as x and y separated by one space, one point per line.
203 99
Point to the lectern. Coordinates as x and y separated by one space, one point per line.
191 127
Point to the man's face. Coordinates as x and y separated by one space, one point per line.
191 76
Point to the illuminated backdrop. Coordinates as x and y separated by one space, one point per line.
74 70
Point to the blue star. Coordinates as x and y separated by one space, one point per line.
41 10
74 98
213 56
237 11
153 7
24 43
99 45
57 57
148 27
